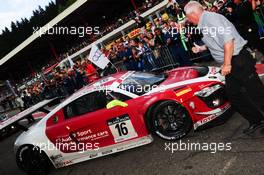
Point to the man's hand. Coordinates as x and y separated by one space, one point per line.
229 9
169 41
254 4
197 48
229 50
226 69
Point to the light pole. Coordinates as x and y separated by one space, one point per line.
135 6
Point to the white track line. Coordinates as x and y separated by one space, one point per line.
227 166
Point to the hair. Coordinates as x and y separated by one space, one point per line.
156 29
145 37
165 22
193 6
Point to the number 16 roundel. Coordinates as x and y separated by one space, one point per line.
122 128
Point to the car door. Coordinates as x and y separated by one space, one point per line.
86 124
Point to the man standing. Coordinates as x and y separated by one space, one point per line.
242 14
173 39
243 86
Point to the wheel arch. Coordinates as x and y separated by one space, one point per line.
152 106
151 109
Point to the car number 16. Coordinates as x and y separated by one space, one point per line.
121 128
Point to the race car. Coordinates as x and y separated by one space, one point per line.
120 112
3 118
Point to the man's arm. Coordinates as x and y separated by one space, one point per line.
229 51
254 4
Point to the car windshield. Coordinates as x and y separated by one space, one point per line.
140 83
202 71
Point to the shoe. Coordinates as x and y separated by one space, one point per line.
253 127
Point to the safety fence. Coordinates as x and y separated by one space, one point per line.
163 59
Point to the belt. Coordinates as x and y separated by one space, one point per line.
245 47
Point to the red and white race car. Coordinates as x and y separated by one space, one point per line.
121 112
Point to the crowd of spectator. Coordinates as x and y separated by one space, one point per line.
60 82
122 19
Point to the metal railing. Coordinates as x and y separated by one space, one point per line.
164 59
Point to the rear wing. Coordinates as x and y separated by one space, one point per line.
41 107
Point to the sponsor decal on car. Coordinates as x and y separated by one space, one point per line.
213 70
215 114
93 155
107 152
55 157
184 91
65 163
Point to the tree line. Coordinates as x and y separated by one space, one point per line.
22 29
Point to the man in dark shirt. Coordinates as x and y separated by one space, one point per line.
160 39
173 39
127 58
243 19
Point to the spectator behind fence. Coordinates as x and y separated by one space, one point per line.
173 40
242 14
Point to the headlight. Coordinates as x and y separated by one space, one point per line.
213 96
206 92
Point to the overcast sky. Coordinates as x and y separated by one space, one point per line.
13 10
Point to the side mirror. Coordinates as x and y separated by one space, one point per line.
115 103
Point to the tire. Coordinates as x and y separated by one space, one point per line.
33 161
169 121
3 133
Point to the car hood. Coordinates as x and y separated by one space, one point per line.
179 75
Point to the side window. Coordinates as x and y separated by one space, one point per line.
85 104
118 96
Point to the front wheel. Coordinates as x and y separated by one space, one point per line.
170 121
33 161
